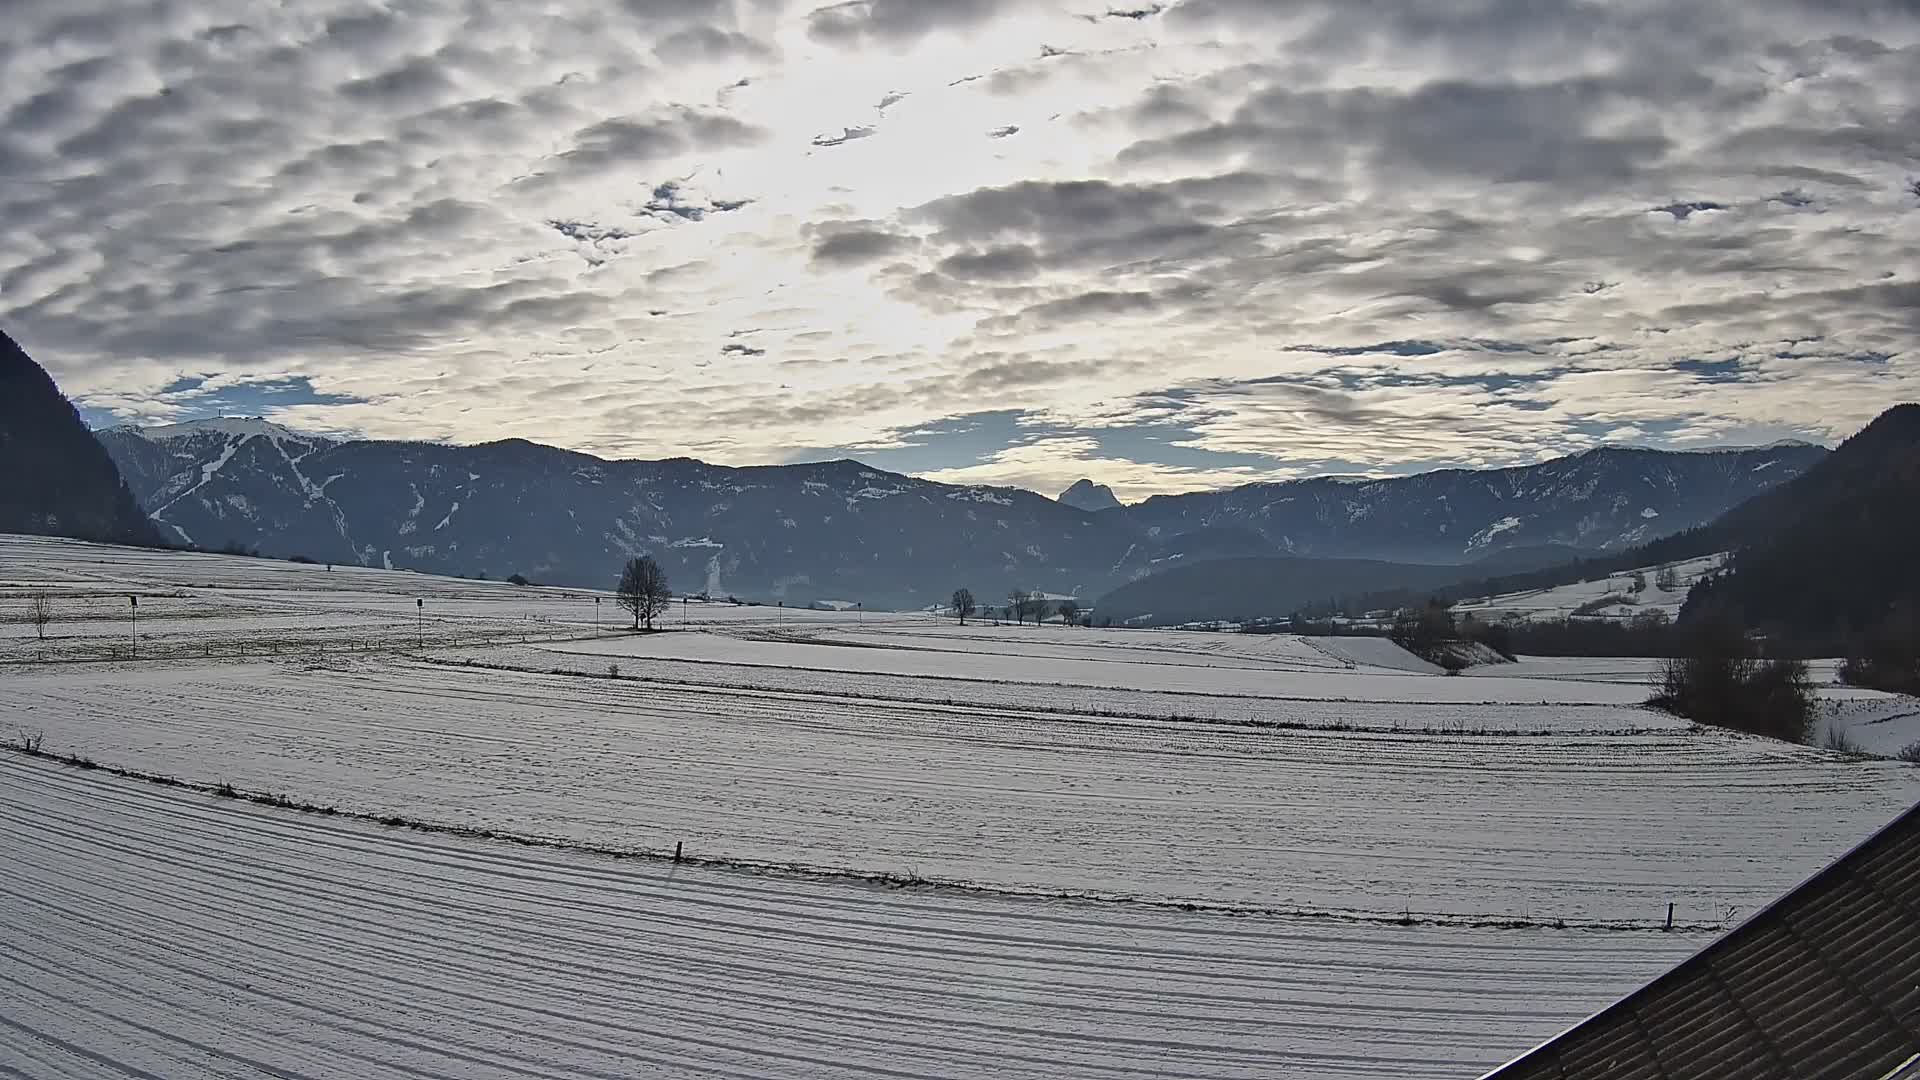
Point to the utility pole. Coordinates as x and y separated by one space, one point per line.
133 604
596 616
420 625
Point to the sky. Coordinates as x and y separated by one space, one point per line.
1165 246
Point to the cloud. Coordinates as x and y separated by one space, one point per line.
1009 262
711 44
630 142
1231 238
852 243
895 21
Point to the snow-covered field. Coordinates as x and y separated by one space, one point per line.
1132 853
152 932
1562 601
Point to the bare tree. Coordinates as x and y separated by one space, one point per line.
41 612
643 590
1017 605
1069 611
963 604
1038 605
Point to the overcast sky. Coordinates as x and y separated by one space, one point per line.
1163 246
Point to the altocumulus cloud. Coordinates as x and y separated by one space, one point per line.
1231 239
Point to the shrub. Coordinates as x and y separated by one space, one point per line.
1596 606
613 671
1887 658
1423 630
517 579
1840 742
1496 636
1910 753
1723 684
302 559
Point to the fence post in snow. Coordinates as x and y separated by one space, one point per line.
1669 925
676 850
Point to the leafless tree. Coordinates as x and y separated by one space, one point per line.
41 612
1017 605
963 604
1069 611
643 590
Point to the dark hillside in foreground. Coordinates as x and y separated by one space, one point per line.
1834 554
55 478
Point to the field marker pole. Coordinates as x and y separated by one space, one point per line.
1669 915
133 602
596 616
420 624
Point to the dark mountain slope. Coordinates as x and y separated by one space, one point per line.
55 479
1834 553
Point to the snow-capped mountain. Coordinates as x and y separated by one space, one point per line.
1087 495
842 529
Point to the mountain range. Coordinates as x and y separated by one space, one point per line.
840 530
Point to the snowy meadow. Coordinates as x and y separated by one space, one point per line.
364 822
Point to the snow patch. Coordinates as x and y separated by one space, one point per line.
980 495
1485 536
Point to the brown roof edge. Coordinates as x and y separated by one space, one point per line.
1908 820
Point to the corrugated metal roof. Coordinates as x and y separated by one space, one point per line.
1823 983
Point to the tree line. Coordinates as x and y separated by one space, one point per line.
1021 606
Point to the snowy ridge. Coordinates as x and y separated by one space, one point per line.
223 425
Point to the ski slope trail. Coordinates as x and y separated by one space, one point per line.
154 931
